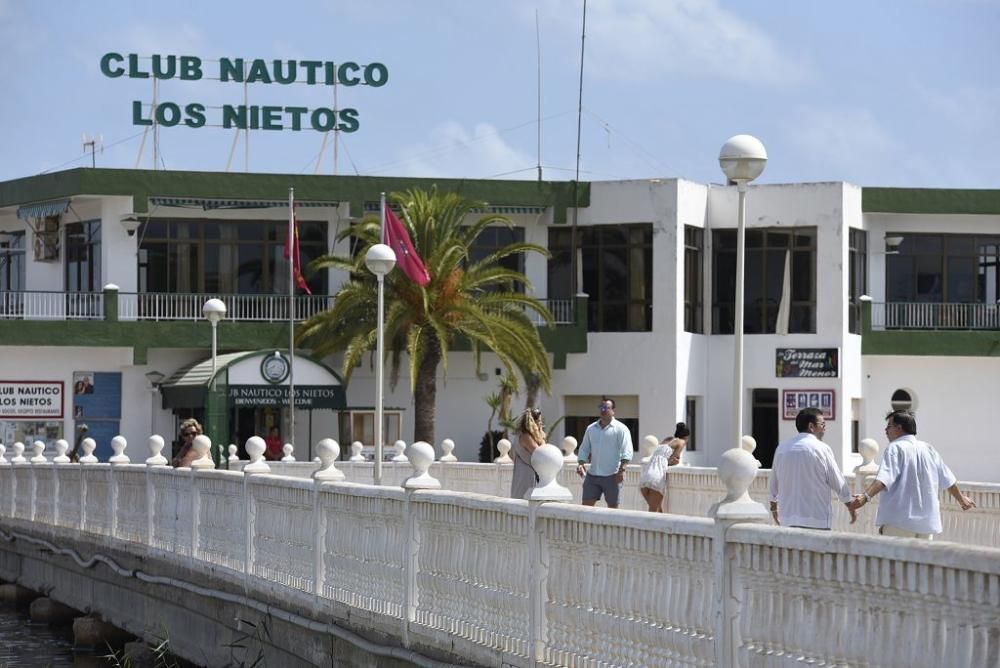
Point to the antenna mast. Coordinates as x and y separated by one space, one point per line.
574 283
538 45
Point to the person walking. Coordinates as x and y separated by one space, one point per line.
653 479
912 474
530 436
607 447
803 474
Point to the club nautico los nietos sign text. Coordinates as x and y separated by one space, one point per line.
242 71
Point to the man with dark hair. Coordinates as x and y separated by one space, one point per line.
803 475
607 445
912 474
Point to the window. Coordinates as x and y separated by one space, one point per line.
768 252
363 427
83 256
492 239
857 257
694 247
954 268
235 257
691 418
576 426
617 266
12 262
902 400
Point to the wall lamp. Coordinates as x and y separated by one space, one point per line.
130 222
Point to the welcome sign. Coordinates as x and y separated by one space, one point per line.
243 71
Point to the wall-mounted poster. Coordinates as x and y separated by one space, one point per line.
806 363
792 401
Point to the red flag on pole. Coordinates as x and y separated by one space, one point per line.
293 252
398 240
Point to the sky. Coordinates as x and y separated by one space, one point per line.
877 93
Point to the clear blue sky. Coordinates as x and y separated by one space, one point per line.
884 92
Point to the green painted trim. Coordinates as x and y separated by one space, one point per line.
143 184
943 343
930 200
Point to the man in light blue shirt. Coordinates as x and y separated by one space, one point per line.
607 445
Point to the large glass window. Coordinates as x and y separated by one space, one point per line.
857 257
956 268
492 239
235 257
83 256
617 266
12 261
694 251
771 253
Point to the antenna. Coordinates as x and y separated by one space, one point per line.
96 142
538 47
574 282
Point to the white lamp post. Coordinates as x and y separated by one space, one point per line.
742 159
380 260
214 310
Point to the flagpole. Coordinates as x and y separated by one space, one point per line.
292 249
378 353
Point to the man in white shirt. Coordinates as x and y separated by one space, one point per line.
912 474
803 475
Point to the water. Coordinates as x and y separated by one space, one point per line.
38 645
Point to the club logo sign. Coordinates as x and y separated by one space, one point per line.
274 368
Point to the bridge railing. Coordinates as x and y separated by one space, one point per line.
691 490
506 582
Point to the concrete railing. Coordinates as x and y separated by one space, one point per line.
690 491
510 582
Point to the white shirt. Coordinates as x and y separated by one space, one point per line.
913 474
802 476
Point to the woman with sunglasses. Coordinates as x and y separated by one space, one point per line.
187 454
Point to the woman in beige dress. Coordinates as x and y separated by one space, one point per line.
530 435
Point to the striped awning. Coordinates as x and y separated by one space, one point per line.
372 207
43 209
211 204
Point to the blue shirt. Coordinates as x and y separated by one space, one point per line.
606 447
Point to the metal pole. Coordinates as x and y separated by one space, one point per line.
215 323
738 327
293 250
378 382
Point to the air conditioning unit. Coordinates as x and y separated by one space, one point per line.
46 242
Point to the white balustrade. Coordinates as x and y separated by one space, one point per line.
499 580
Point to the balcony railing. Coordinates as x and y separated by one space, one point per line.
562 311
161 306
913 315
50 305
245 308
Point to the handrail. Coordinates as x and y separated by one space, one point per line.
935 315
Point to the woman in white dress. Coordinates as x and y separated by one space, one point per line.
653 479
530 435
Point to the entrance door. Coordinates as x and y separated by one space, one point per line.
250 421
765 424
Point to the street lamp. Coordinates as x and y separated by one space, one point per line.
380 260
155 378
742 159
214 310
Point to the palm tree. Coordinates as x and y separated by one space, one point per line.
477 301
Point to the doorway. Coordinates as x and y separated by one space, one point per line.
247 421
764 426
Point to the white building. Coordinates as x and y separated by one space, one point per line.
656 260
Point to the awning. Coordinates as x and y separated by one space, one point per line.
317 385
211 204
43 209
